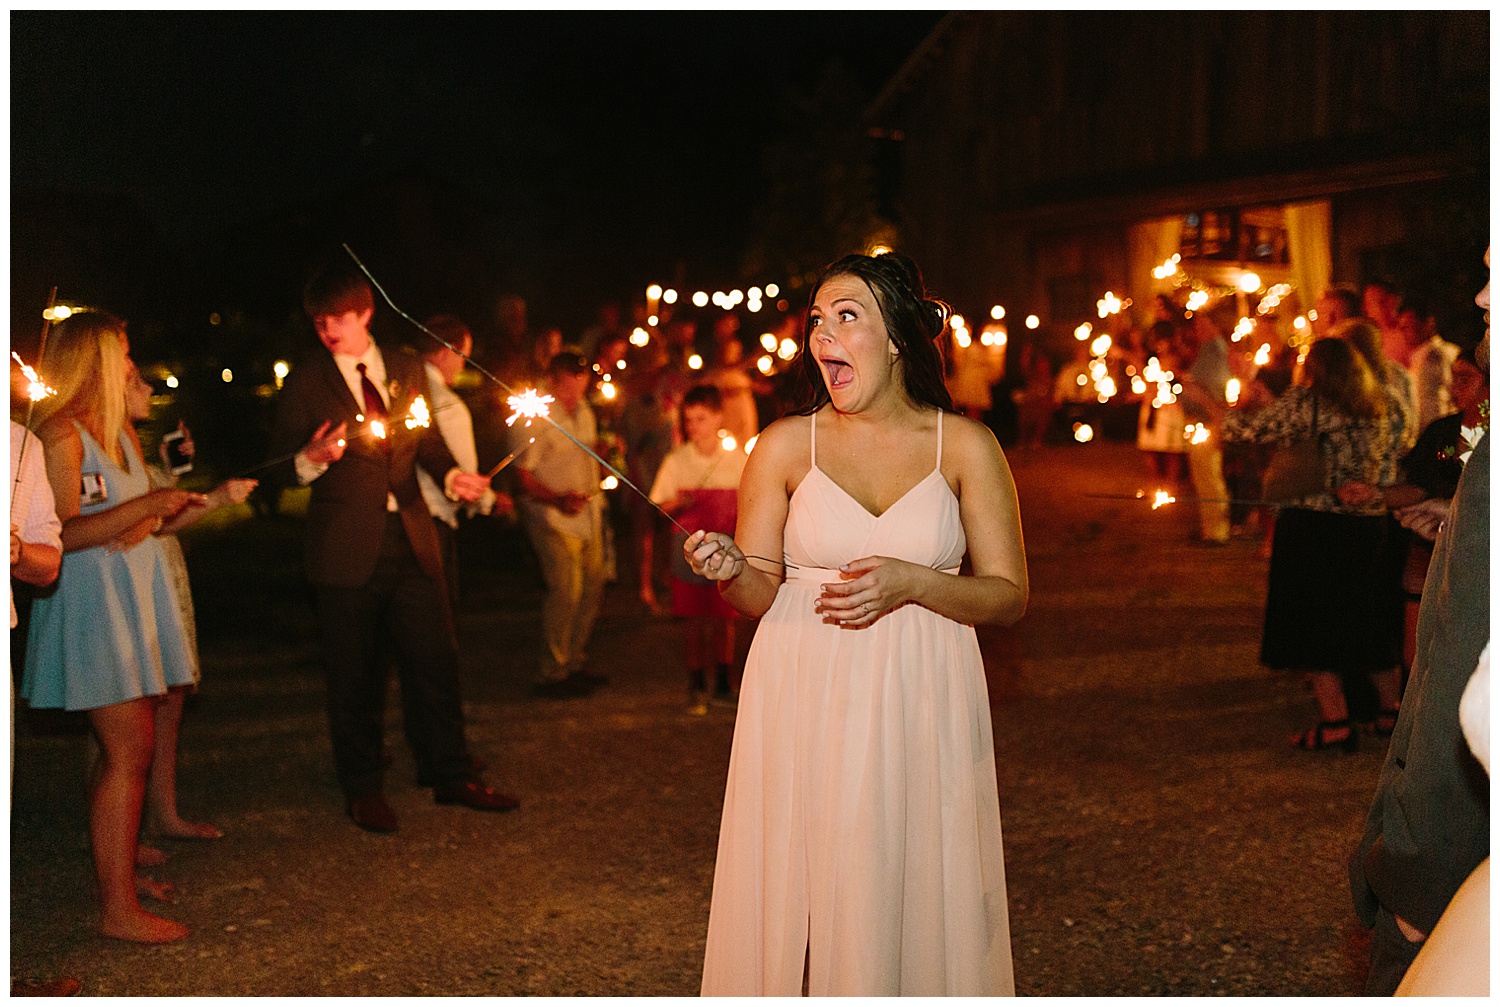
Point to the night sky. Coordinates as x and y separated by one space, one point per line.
593 151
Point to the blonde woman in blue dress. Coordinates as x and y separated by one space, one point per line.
861 828
110 641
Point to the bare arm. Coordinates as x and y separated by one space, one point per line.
750 585
35 563
64 452
998 590
233 491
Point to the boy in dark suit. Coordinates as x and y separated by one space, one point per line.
372 554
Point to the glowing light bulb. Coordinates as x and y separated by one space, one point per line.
1032 321
695 362
768 342
669 297
1249 282
1083 433
639 337
700 299
765 365
654 292
997 313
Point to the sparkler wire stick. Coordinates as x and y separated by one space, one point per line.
31 405
1150 498
492 473
480 369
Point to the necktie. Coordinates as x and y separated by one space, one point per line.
374 404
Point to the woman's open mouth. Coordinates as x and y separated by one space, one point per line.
840 373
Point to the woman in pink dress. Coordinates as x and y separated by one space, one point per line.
861 829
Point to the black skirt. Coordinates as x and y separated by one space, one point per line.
1334 598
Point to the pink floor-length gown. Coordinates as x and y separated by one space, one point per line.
861 819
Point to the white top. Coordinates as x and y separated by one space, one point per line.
688 469
1432 367
33 508
456 424
563 467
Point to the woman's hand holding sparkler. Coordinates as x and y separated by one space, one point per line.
713 555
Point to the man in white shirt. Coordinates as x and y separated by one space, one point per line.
1431 364
456 424
563 511
35 531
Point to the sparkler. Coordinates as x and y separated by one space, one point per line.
36 391
36 388
492 473
535 405
1160 498
479 369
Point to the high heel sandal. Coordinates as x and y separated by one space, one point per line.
1316 738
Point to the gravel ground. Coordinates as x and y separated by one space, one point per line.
1161 837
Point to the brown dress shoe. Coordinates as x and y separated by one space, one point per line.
473 794
372 814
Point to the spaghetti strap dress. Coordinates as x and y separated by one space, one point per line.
113 629
861 827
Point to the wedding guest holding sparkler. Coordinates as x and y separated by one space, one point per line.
697 485
35 559
563 512
361 417
456 424
110 640
1330 610
861 829
1161 423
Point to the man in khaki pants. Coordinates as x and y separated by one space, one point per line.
563 512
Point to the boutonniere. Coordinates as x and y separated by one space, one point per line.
394 387
1469 437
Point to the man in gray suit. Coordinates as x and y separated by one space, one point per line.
1429 826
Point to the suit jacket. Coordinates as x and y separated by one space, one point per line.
346 516
1429 826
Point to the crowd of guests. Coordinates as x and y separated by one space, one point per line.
1389 408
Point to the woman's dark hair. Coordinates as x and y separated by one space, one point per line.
708 396
912 319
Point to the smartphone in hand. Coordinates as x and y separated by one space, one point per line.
177 461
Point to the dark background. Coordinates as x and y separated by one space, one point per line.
171 166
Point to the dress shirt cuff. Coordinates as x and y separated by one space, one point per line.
307 469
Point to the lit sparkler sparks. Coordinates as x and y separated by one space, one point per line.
36 388
1161 499
530 405
419 415
377 429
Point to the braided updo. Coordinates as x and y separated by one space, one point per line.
912 319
